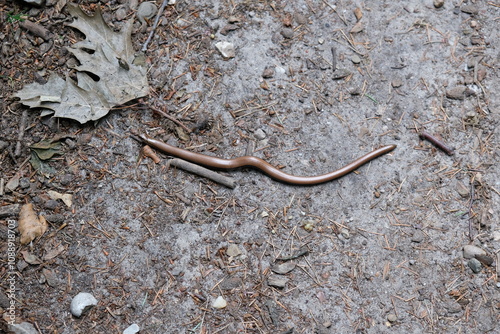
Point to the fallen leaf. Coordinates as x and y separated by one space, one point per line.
108 56
66 198
30 226
53 253
30 258
46 149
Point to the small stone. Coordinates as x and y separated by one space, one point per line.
23 328
355 59
327 324
469 9
283 268
146 10
345 233
277 282
358 27
233 250
496 235
459 93
471 251
418 236
121 13
50 277
37 3
228 28
226 49
81 303
287 33
259 134
475 265
396 83
340 74
3 145
438 3
4 300
51 204
301 19
219 303
268 72
462 190
392 317
132 329
485 259
233 19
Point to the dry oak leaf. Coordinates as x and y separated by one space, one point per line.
30 225
108 57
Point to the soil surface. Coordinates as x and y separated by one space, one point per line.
312 86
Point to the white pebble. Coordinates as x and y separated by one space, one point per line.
81 303
132 329
219 303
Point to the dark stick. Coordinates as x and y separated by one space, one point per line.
157 19
436 142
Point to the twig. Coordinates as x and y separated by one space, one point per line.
20 136
471 237
157 19
204 172
173 119
436 142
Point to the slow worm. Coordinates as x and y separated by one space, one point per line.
260 164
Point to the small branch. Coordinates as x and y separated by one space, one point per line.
20 136
204 172
173 119
151 34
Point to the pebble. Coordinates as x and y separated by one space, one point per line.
396 83
355 59
283 268
392 317
146 10
475 265
340 74
469 9
4 300
3 145
471 251
233 250
23 328
259 134
277 282
462 190
219 303
37 3
438 3
121 13
459 93
496 235
287 33
301 19
268 72
132 329
226 49
418 236
485 259
81 303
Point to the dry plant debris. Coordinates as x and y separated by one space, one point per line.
107 55
30 225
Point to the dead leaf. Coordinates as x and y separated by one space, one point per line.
30 258
30 226
46 149
53 253
108 56
66 198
